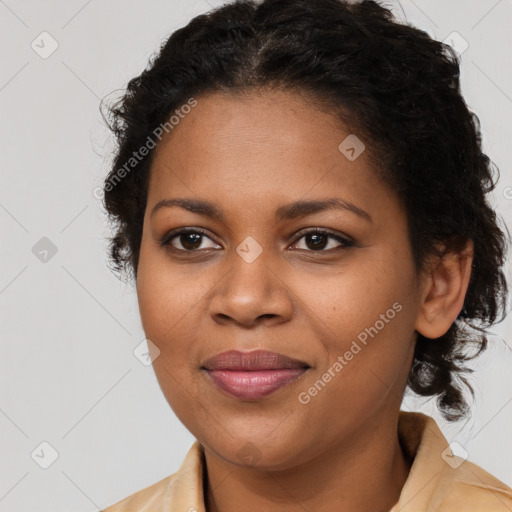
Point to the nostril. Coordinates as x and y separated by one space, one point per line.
267 315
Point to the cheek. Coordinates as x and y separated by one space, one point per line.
161 306
365 320
167 297
366 373
165 310
173 316
342 303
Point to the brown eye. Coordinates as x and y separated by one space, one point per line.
319 240
188 240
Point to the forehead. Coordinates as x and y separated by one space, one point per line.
239 129
263 146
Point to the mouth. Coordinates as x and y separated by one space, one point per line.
252 375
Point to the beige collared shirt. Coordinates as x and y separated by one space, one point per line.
437 481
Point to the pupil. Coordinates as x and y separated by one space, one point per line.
190 240
319 241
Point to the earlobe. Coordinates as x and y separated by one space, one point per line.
444 288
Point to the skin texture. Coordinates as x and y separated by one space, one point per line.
250 155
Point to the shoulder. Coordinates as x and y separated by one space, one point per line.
182 490
151 496
439 480
469 487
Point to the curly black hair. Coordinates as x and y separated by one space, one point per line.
385 79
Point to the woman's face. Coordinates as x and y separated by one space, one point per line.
253 278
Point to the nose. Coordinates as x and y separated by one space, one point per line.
252 293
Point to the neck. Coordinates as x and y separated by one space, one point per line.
364 473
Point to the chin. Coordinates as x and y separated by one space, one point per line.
255 451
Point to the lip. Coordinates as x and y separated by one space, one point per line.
254 360
253 375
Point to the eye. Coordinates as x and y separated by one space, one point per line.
321 240
187 240
194 239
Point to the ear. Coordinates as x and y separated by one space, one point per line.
444 288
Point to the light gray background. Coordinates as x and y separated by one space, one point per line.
69 327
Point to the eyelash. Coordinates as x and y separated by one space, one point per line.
165 241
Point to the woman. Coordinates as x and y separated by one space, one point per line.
299 193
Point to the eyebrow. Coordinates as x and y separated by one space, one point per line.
285 212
